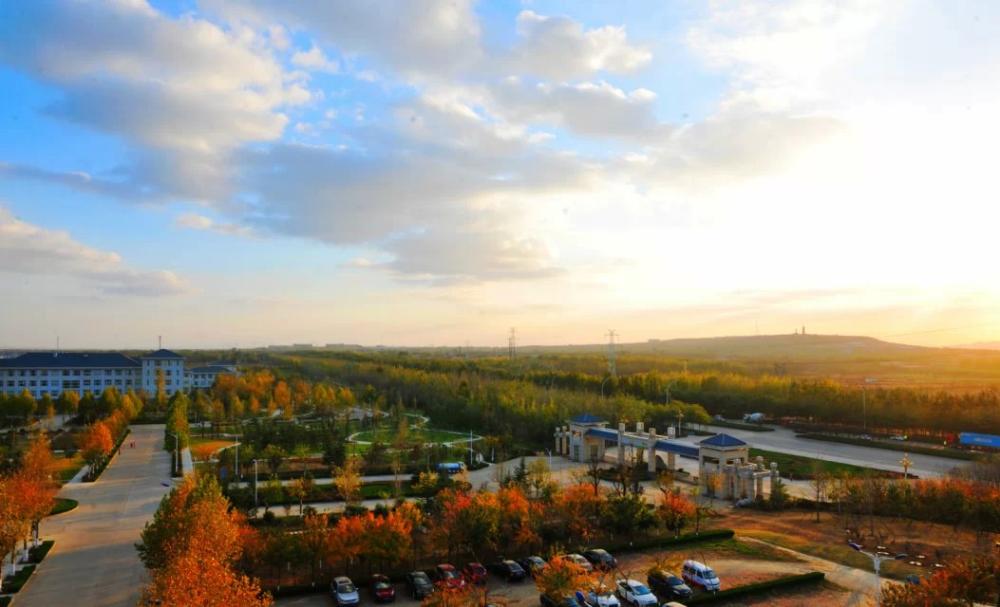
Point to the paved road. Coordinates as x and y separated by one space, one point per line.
94 561
784 440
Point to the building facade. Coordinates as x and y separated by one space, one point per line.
51 373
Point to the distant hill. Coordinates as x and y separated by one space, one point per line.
982 345
772 347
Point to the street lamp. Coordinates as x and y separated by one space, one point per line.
877 566
905 463
255 487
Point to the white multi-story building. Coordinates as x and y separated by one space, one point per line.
50 373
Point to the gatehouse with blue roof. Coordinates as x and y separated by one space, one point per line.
724 467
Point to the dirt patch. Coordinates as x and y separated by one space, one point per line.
827 539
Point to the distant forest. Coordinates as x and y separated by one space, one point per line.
527 396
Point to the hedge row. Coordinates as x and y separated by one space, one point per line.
781 583
741 426
906 447
14 583
646 543
89 478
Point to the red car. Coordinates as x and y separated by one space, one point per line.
475 573
382 590
447 575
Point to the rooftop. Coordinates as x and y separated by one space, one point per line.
722 440
586 418
162 353
59 360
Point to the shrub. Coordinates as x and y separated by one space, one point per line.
781 583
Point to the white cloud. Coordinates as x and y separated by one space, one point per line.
418 36
315 59
590 109
184 91
561 49
194 221
32 250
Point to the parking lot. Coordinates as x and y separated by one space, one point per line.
733 568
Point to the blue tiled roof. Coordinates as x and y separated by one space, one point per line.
61 360
162 353
722 440
586 418
211 369
661 444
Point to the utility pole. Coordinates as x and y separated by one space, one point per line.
612 369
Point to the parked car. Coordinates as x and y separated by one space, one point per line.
474 573
578 560
601 597
561 601
532 564
699 574
446 575
344 591
600 558
509 570
673 604
668 585
419 584
382 589
636 593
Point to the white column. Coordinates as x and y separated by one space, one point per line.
651 450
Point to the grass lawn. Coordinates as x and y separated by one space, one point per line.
798 467
203 448
63 505
415 435
67 467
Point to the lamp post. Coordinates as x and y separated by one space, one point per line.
255 487
906 463
877 566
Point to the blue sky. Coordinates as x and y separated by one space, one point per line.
434 172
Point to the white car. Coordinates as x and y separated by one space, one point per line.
579 561
699 574
601 598
636 593
344 591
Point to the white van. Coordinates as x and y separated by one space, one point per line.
698 574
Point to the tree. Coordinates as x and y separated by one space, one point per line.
191 546
14 522
300 489
675 511
274 456
95 444
820 481
68 402
962 582
561 578
161 390
39 489
347 480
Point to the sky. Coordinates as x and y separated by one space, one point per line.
434 172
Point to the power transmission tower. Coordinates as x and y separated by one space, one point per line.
512 343
612 369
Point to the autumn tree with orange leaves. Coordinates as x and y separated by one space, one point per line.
675 511
96 444
962 582
191 547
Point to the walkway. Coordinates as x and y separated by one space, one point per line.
94 561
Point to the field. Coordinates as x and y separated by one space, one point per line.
796 467
414 435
